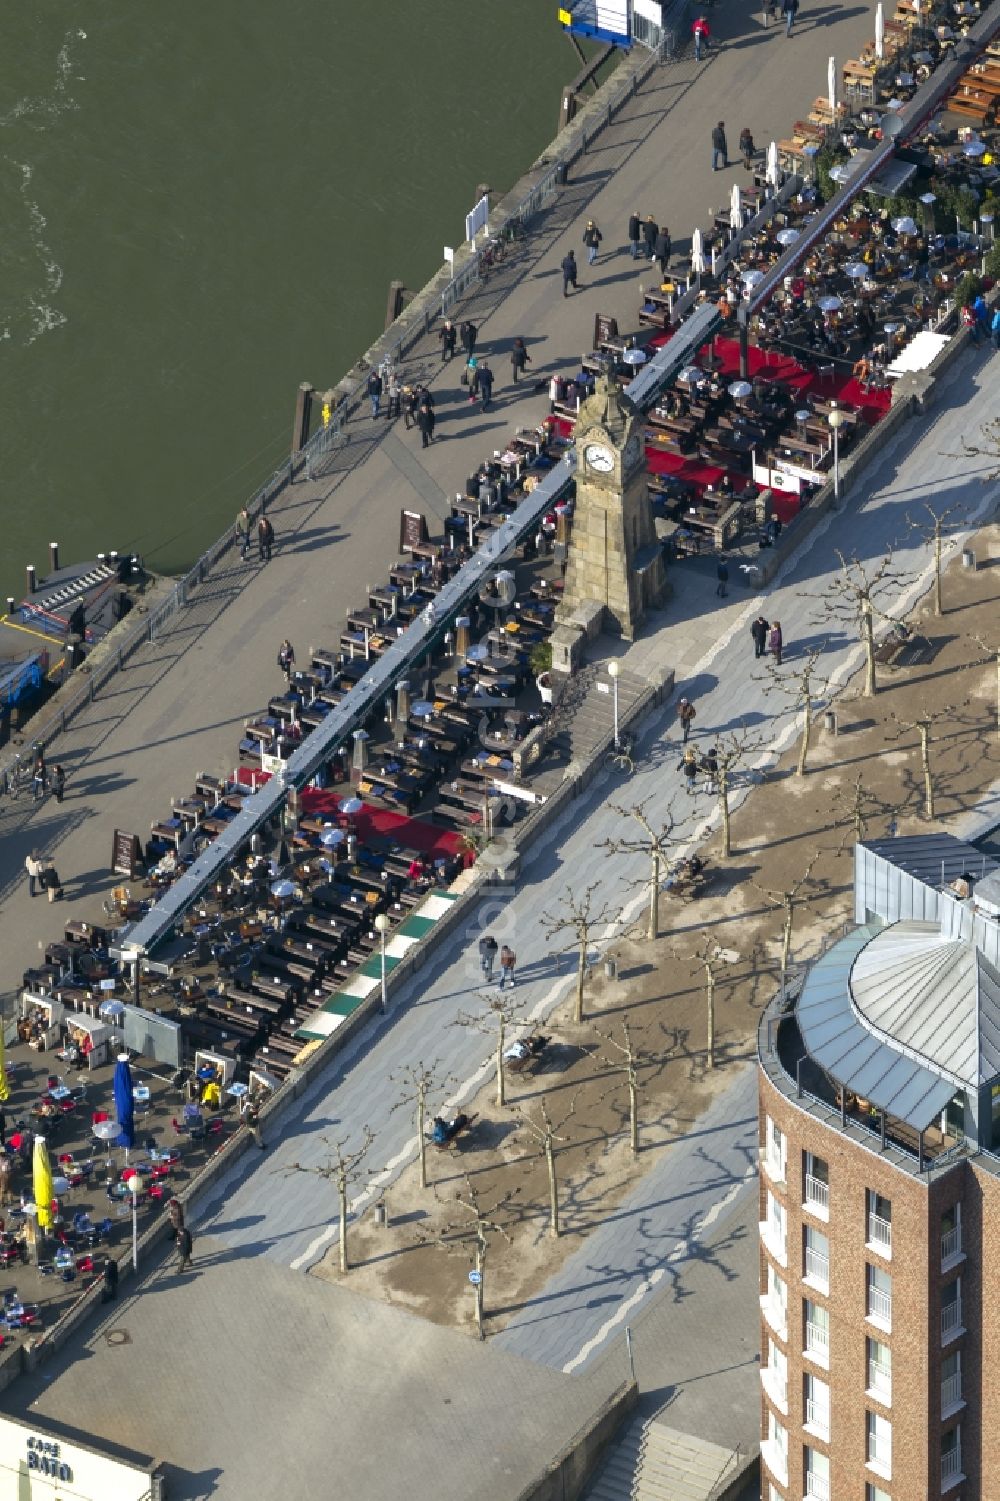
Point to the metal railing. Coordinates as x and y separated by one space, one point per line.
951 1243
880 1232
951 1390
880 1378
951 1463
818 1486
818 1266
817 1340
818 1416
775 1384
880 1305
817 1194
879 1451
776 1315
951 1316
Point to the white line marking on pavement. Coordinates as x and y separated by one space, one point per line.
645 1287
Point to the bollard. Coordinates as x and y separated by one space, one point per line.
968 558
10 604
54 556
32 579
611 967
303 413
830 721
381 1214
360 758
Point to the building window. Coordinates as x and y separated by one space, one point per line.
951 1382
879 1303
951 1309
879 1223
817 1468
879 1370
775 1449
876 1493
774 1303
817 1269
775 1150
817 1403
817 1323
774 1229
879 1443
775 1375
951 1457
773 1494
816 1196
951 1234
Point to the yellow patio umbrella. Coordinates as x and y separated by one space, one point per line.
4 1086
41 1182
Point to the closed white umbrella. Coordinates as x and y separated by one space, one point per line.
771 171
736 208
831 84
879 30
697 254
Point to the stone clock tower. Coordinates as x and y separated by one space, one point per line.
614 559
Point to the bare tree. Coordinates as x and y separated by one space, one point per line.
544 1133
785 900
934 530
343 1169
923 725
417 1080
474 1229
627 1060
859 804
501 1011
651 841
801 686
994 652
711 957
853 598
580 918
731 751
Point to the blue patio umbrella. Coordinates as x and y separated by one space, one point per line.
124 1102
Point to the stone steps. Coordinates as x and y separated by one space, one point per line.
651 1462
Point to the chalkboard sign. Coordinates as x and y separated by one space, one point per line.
412 530
605 328
126 854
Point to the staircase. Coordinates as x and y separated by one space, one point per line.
584 712
651 1462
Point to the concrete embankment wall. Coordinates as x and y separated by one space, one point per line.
566 1476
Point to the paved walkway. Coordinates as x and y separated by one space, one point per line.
180 706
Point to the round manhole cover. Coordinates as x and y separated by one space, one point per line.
118 1337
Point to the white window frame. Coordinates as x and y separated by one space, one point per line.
819 1350
815 1191
951 1240
951 1386
878 1444
817 1407
816 1259
775 1150
817 1484
880 1388
878 1229
881 1315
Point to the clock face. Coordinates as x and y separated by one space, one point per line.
599 458
633 451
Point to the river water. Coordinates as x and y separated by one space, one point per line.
202 204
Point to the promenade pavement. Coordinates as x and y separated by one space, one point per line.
180 705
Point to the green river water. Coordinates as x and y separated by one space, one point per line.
202 204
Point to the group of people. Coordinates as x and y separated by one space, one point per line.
42 876
767 638
649 238
43 780
488 949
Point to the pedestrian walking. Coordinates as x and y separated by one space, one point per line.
710 766
425 422
995 329
50 881
758 631
789 9
662 248
689 770
720 151
409 407
374 389
592 238
472 376
487 954
395 397
185 1247
701 33
774 642
251 1116
58 783
243 532
634 234
486 384
568 272
448 334
748 148
286 658
519 358
265 539
722 574
508 960
649 232
109 1292
39 775
468 333
33 866
175 1212
687 714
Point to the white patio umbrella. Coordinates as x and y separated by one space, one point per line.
831 304
771 171
697 253
735 208
831 84
879 30
787 236
905 226
751 279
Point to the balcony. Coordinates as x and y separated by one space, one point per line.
818 1418
774 1313
776 1460
818 1343
773 1164
817 1196
951 1245
951 1467
775 1384
880 1382
880 1306
818 1486
880 1455
951 1393
951 1318
774 1241
817 1267
880 1234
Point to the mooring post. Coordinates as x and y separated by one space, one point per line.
303 413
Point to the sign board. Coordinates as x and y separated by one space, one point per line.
475 1278
108 984
273 764
37 1466
126 854
412 530
605 328
478 219
449 257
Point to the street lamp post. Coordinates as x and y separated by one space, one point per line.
135 1184
613 671
382 926
836 421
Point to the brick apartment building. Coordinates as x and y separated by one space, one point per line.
879 1092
